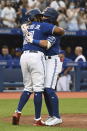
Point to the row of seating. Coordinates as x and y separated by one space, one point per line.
10 63
16 64
12 78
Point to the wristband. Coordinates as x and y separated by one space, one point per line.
36 42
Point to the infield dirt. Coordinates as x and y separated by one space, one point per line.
69 120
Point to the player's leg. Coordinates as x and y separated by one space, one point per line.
64 83
49 72
48 104
59 87
27 90
51 78
38 77
68 82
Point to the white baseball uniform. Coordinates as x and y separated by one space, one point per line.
53 68
63 83
33 69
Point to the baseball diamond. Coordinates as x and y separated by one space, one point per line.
74 119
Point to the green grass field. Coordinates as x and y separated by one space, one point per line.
67 106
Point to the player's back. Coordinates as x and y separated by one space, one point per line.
38 31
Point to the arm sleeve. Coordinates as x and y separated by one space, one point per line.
48 28
52 40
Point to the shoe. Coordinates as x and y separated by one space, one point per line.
54 121
39 123
48 119
16 118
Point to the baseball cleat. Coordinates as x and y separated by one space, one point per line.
16 118
39 123
48 119
54 121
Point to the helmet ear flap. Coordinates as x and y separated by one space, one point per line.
32 14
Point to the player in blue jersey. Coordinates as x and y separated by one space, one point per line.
64 78
53 68
33 64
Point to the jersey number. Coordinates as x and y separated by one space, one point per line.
31 33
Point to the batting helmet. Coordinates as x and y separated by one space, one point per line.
31 14
51 13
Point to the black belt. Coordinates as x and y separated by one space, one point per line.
49 57
33 51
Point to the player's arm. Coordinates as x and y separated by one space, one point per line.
43 43
67 70
58 31
52 29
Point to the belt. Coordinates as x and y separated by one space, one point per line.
31 51
50 57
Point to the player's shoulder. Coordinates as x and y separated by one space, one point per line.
35 23
81 56
46 24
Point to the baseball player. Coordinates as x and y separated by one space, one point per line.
53 68
64 77
33 64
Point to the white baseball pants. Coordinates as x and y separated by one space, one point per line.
33 70
63 83
53 68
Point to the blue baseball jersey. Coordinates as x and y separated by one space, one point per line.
55 41
64 66
39 31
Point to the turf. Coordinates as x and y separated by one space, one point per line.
67 106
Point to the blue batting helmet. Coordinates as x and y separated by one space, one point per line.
51 13
31 14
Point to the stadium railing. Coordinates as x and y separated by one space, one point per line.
11 77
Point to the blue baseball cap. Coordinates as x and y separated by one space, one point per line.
62 52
